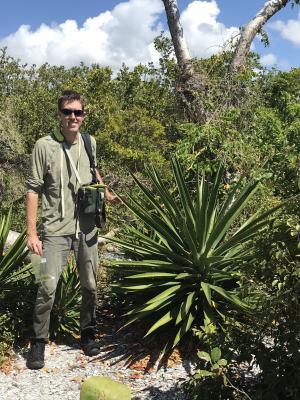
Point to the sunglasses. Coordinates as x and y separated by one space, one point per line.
68 112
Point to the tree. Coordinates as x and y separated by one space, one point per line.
191 82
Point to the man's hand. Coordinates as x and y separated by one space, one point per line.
112 198
109 196
34 244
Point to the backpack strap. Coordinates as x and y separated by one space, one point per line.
88 148
57 136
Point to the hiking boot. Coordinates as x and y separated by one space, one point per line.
88 343
35 359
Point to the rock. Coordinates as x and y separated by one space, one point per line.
103 388
11 238
104 239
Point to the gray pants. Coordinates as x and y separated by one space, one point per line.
56 250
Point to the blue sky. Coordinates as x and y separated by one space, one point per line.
110 32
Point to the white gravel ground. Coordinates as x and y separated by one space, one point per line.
67 367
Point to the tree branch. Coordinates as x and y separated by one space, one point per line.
248 33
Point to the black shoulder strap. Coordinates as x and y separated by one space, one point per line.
88 148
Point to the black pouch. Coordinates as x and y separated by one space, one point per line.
91 201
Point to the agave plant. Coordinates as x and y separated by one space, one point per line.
11 261
15 295
66 308
185 258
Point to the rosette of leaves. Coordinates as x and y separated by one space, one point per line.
15 278
186 252
66 309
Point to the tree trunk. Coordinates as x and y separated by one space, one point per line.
190 84
251 29
181 49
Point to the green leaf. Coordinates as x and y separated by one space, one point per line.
169 316
185 197
5 224
151 306
226 220
212 204
185 308
215 355
207 292
147 265
152 275
184 328
203 373
204 356
215 367
228 296
137 287
165 293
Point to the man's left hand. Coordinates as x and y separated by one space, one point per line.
112 198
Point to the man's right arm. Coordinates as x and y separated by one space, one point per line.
33 242
34 183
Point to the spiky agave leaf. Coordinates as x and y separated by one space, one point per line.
183 261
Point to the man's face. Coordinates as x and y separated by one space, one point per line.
71 116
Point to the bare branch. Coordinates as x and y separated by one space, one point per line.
248 33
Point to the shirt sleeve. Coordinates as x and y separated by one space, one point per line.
35 181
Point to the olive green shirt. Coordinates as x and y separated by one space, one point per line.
53 178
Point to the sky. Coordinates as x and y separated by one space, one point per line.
113 32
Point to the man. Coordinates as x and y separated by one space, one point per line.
60 164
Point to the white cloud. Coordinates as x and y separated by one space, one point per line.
289 30
204 34
284 65
123 35
271 60
268 60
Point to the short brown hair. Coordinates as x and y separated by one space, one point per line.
68 96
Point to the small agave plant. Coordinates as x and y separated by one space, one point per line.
66 309
12 266
184 258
